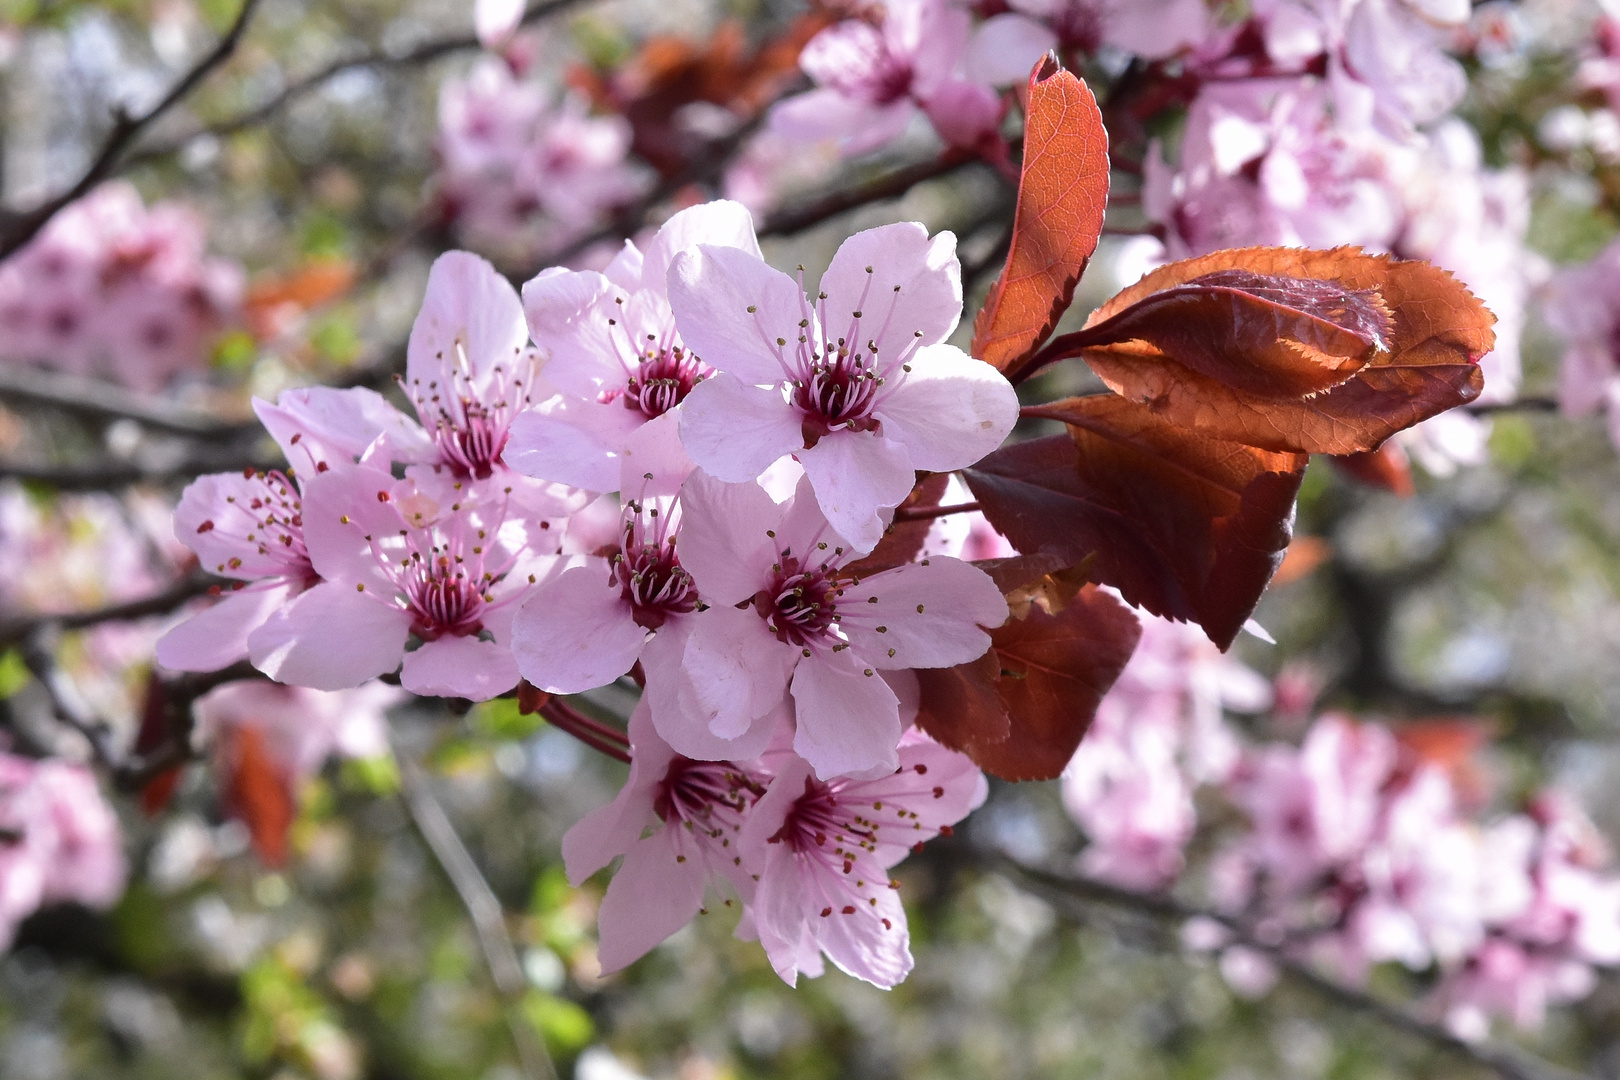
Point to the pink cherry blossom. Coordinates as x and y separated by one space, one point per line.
395 564
871 81
828 846
784 612
617 359
520 173
1583 306
1007 45
249 526
695 810
112 287
590 624
857 385
59 840
1158 734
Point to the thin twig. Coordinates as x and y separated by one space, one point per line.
104 401
125 130
483 909
1507 1061
1525 404
423 53
16 629
795 219
105 475
604 740
928 513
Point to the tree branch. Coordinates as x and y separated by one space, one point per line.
104 401
424 53
483 909
17 629
1509 1062
125 130
892 185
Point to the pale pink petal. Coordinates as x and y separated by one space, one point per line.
950 410
856 474
462 667
965 114
217 636
720 223
733 309
849 720
342 508
779 917
568 312
902 282
654 463
1006 47
735 431
736 675
606 832
670 695
214 520
572 441
872 942
471 320
576 632
931 614
724 540
655 892
495 20
330 638
625 269
323 424
842 53
933 34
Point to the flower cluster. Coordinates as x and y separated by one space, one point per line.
519 171
760 440
59 840
112 287
1360 854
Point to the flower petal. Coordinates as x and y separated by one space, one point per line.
576 632
573 441
567 313
608 831
931 614
720 223
849 720
216 637
857 474
724 542
471 320
462 667
949 410
907 287
736 431
656 892
330 638
733 309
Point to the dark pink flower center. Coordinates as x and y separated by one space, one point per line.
443 598
836 392
663 380
800 606
692 792
469 418
654 583
817 819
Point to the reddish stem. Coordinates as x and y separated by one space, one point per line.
928 513
599 737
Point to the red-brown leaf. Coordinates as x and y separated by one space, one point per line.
1438 331
1061 198
1263 334
259 793
1187 526
1021 711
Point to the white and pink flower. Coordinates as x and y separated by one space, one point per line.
858 384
